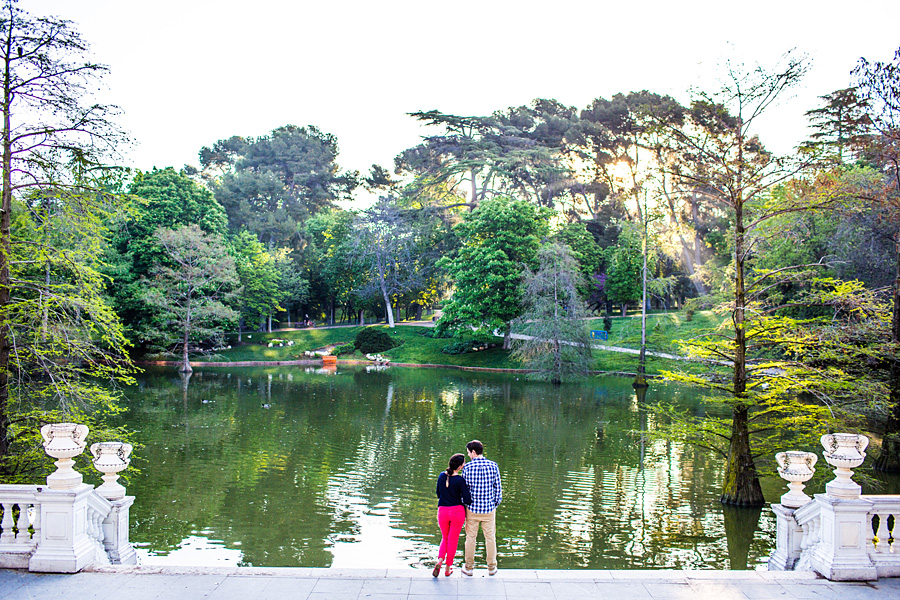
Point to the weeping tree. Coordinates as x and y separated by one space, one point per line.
551 336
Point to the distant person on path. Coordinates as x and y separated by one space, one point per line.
483 478
452 492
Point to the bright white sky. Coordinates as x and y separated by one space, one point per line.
190 72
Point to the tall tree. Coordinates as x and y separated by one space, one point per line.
163 198
260 292
497 240
879 87
731 165
190 289
273 183
386 244
54 142
841 125
553 334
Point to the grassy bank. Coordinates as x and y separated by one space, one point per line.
414 347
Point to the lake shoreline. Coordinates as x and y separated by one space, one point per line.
352 362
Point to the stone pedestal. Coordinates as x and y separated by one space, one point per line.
115 528
65 546
841 554
787 540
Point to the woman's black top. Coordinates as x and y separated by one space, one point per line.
456 494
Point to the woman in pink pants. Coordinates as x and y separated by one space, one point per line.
452 492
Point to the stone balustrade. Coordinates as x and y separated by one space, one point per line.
841 534
67 525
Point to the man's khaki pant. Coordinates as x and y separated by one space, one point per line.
489 527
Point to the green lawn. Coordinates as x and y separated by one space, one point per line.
665 331
415 348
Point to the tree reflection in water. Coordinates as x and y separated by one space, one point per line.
340 470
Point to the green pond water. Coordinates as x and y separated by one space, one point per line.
303 467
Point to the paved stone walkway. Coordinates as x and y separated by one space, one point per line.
151 583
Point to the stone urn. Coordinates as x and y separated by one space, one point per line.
110 458
796 468
64 441
844 451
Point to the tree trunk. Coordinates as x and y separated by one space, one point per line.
388 309
5 211
269 328
741 486
507 337
624 309
185 363
362 317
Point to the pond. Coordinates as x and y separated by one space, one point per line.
304 467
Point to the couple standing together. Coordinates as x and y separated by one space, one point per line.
468 493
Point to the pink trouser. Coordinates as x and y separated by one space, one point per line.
450 520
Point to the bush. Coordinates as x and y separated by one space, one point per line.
469 345
373 339
348 348
607 324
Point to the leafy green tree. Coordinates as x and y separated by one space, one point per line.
624 263
191 294
260 292
586 251
293 285
553 336
335 278
497 240
58 337
273 183
164 198
513 153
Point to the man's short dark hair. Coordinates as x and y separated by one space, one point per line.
476 447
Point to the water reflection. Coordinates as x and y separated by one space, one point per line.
286 467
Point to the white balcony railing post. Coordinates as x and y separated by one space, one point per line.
65 545
110 458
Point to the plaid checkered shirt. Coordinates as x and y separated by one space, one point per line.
483 478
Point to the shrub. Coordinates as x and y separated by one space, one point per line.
467 345
607 324
372 339
348 348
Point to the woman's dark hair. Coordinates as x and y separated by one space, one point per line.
456 462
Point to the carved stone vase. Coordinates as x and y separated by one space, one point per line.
796 468
64 441
110 458
844 451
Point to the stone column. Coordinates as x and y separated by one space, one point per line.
110 458
841 554
65 546
787 540
117 544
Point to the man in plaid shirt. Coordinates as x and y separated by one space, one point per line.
483 478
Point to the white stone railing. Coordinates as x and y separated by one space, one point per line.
66 525
882 532
841 534
20 517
